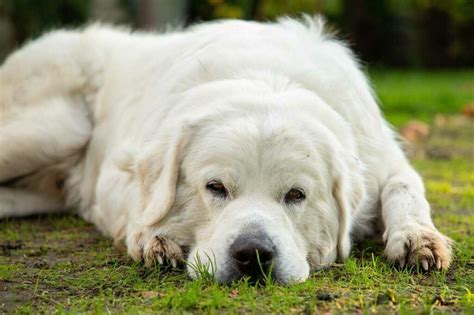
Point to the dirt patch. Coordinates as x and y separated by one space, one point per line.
50 249
8 246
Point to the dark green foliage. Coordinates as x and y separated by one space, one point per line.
30 18
421 33
414 33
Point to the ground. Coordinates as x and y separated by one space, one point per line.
62 264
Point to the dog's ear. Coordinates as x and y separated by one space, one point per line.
348 192
157 169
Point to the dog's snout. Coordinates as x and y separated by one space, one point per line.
253 254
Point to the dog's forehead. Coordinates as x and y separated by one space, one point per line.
252 137
257 148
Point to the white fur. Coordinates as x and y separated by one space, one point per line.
136 124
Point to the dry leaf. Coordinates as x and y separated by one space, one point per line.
468 110
415 130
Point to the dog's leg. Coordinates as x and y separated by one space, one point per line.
16 202
44 135
410 236
43 117
115 213
44 120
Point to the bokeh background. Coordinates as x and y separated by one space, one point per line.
419 55
407 33
418 52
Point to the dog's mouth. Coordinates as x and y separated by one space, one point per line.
260 275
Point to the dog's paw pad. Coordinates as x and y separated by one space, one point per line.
162 250
418 245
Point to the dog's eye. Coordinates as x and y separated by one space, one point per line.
295 195
217 188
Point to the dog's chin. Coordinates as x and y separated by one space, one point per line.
231 274
228 273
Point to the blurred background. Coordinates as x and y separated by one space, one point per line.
418 52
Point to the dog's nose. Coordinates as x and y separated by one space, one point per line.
253 254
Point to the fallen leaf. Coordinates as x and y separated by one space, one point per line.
415 131
468 110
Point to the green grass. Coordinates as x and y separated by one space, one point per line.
62 264
406 95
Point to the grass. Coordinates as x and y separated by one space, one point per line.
407 95
61 264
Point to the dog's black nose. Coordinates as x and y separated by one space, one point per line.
253 254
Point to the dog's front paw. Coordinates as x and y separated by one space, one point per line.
160 249
154 249
418 245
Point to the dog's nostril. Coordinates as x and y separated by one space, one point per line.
242 257
265 256
253 254
246 256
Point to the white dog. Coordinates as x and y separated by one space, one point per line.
258 146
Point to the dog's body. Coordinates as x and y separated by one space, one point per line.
229 138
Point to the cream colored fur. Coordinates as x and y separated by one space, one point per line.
127 129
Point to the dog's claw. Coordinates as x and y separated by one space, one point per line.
160 259
174 263
424 264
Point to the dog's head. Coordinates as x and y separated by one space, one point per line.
256 187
